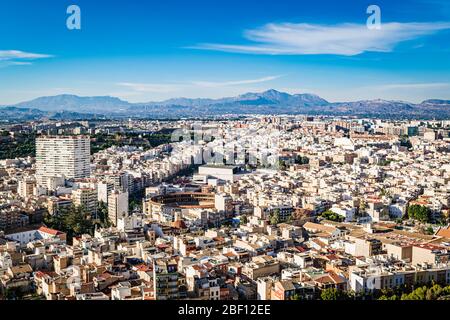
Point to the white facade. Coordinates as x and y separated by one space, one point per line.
25 188
225 173
117 206
62 156
104 189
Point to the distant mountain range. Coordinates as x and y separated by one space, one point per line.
72 103
268 102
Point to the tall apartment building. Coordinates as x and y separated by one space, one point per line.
57 204
117 206
165 279
62 156
86 198
25 187
104 189
11 219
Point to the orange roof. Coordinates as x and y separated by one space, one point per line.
179 224
332 257
319 243
142 267
330 277
49 231
444 232
336 278
229 254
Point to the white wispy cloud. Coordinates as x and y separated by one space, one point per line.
19 58
342 39
151 87
21 63
211 84
171 87
16 54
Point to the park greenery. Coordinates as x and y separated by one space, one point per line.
274 217
76 220
16 293
334 294
24 145
431 291
19 146
283 164
135 201
103 141
332 216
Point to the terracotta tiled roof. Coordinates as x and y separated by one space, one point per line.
49 231
179 224
444 232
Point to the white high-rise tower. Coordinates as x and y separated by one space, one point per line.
65 157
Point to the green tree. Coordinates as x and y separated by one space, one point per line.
429 231
362 206
332 216
282 165
384 297
78 221
428 292
13 294
405 142
301 160
102 215
420 213
275 217
74 221
333 294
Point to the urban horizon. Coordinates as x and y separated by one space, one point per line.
146 156
149 51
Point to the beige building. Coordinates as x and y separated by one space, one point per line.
261 266
86 198
25 187
117 206
428 253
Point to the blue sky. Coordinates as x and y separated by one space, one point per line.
153 50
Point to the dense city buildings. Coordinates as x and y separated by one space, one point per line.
259 207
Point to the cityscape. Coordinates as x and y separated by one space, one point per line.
242 190
346 209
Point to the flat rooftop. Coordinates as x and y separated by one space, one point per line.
219 166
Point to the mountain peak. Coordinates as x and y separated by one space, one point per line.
273 92
73 103
268 102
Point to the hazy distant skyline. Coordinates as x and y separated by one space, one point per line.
143 51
